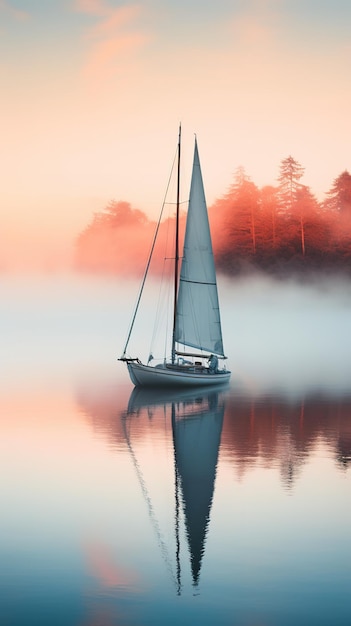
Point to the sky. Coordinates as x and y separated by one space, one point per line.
93 91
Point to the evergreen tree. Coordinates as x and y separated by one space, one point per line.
290 173
120 214
305 213
115 240
339 196
242 215
269 210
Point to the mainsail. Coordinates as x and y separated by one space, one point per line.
198 322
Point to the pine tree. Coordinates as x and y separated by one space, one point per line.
243 203
290 173
269 207
305 207
339 196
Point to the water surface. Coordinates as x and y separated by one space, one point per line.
126 507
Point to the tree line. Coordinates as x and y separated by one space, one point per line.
277 229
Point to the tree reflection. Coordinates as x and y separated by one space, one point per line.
282 432
272 429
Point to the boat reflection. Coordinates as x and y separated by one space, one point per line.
197 419
170 440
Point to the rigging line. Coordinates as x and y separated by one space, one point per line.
147 499
176 260
149 259
159 310
177 504
165 294
180 202
165 347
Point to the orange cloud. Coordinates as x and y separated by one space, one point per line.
106 55
17 14
93 7
115 19
114 38
251 30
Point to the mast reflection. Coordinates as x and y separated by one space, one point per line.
197 420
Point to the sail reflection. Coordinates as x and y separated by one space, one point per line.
197 420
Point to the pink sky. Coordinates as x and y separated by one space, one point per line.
93 92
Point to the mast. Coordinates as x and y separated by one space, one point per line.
176 255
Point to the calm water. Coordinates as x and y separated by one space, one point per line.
121 507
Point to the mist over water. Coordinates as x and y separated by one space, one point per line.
288 334
277 334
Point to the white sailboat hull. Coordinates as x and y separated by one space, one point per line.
167 376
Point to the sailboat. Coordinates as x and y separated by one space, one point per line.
197 344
